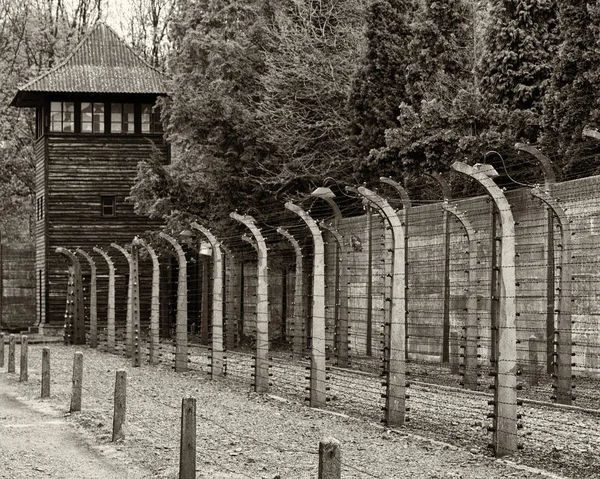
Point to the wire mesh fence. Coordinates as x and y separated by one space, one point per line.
477 318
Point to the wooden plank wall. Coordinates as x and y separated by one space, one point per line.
17 306
81 169
40 228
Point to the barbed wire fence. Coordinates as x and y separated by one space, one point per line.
371 302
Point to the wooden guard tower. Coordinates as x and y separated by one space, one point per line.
95 120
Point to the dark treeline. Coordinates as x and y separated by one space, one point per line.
269 99
272 98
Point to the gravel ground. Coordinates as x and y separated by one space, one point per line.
242 434
553 439
37 441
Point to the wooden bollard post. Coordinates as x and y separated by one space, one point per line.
120 405
46 373
187 458
23 374
330 459
533 360
77 382
1 350
11 353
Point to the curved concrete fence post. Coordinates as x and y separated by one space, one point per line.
181 337
562 360
74 316
129 315
110 311
395 408
549 181
406 208
299 321
261 364
135 306
231 299
340 304
154 342
93 298
217 364
505 390
341 330
318 376
470 329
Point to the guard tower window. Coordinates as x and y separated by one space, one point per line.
62 116
108 206
122 118
150 119
92 117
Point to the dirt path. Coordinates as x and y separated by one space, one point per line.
37 442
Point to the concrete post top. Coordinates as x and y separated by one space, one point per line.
309 220
174 243
87 256
69 255
126 253
382 204
206 232
250 223
406 203
141 242
107 258
544 161
330 440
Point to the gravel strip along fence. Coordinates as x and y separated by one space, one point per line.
553 439
243 434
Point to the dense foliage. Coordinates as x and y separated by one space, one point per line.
572 100
380 83
33 36
521 39
270 98
441 115
520 42
309 63
258 105
215 66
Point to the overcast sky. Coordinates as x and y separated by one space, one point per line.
118 14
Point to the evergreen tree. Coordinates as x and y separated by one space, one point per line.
442 114
380 83
521 39
571 102
258 106
438 52
210 117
